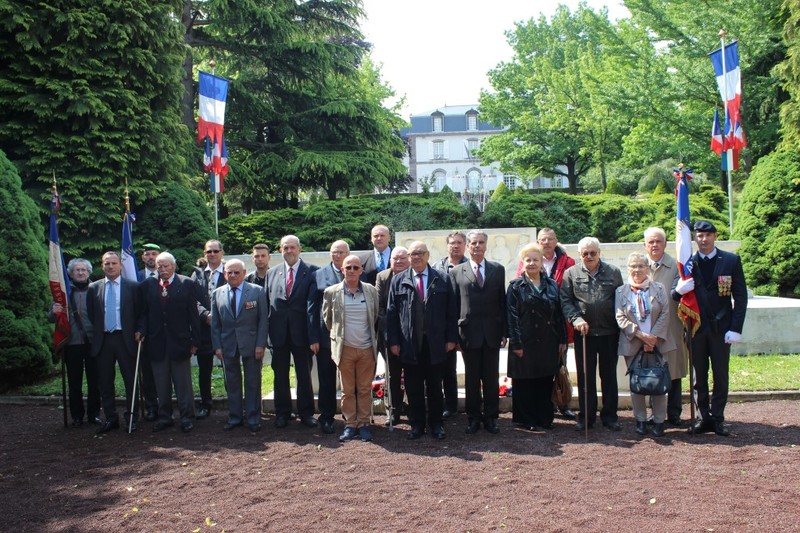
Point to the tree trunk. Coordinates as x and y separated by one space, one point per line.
187 100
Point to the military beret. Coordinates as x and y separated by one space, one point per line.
151 246
704 226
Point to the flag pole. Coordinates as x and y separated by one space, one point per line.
62 357
213 65
729 151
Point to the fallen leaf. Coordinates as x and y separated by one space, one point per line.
652 501
129 489
184 464
135 509
209 522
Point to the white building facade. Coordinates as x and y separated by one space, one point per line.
442 147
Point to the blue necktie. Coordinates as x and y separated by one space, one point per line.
381 264
111 306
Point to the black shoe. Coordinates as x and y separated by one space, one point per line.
675 421
547 425
658 429
161 425
230 425
203 412
580 425
415 433
651 421
437 431
95 420
254 428
447 413
187 427
613 426
281 422
721 429
701 426
108 426
473 427
568 413
151 415
309 421
76 423
641 428
491 426
327 426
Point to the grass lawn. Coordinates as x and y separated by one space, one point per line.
52 386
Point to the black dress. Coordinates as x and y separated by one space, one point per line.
535 325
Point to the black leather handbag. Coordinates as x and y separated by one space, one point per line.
649 373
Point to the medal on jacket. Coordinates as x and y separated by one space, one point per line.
724 285
164 285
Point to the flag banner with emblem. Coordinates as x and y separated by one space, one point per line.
57 275
128 259
688 309
211 126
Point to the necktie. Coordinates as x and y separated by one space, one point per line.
111 306
152 275
381 264
420 287
290 283
478 275
654 266
339 275
233 302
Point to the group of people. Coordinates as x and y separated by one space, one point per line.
393 302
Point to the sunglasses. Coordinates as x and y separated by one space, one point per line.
589 253
352 267
212 251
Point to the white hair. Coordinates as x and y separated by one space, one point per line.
166 256
654 230
588 242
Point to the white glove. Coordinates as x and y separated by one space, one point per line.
684 286
732 337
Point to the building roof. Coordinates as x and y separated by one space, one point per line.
455 120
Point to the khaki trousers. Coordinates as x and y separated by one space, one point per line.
356 371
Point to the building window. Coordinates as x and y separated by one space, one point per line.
472 121
473 144
510 181
438 122
438 149
439 180
558 182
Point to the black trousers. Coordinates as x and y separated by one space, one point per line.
148 382
424 379
708 346
281 361
532 401
394 398
326 373
169 373
450 381
78 357
481 369
113 352
602 350
205 366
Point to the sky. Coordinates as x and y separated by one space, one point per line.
437 52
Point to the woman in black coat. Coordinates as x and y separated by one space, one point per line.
537 340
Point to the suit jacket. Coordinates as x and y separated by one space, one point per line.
172 328
129 310
321 280
204 306
333 313
247 330
143 274
667 274
724 312
289 315
439 320
382 284
370 268
629 345
481 311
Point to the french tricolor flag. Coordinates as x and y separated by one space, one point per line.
210 126
729 81
716 135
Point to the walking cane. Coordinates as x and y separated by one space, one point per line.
135 383
688 340
585 392
387 391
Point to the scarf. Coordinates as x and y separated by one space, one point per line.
642 292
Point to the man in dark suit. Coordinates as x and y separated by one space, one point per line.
378 259
393 400
149 253
420 330
718 282
206 280
479 290
288 287
113 305
319 336
239 336
171 326
456 246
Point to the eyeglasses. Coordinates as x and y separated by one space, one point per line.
589 253
352 267
213 251
638 266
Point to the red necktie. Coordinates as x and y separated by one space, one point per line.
420 287
290 282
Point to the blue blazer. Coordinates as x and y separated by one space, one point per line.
728 278
247 330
